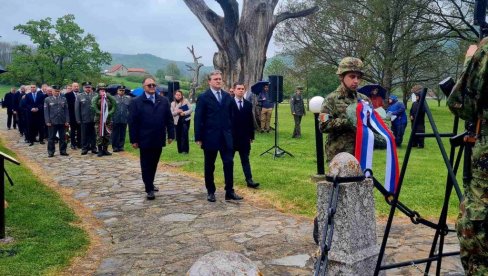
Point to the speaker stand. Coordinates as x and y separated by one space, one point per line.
276 150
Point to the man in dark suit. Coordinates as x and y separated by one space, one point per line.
74 127
34 103
213 133
243 131
150 120
9 102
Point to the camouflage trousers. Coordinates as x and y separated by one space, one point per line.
336 144
103 140
472 223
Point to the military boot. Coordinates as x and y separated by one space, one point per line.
100 151
105 151
94 150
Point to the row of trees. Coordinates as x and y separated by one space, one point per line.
61 53
402 42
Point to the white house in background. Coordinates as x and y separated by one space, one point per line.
117 70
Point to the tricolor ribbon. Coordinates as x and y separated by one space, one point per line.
367 121
103 115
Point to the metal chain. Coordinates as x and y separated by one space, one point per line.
417 267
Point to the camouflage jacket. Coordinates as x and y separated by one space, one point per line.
334 107
112 105
468 102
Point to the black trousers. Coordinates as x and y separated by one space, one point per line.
149 158
88 136
22 118
52 130
181 130
246 166
11 117
75 134
227 156
297 132
36 126
118 135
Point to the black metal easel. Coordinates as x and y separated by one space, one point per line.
441 226
4 173
276 150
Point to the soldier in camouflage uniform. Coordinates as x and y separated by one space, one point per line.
103 125
56 117
468 102
120 119
85 115
334 120
297 110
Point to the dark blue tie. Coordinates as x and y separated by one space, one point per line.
218 97
151 98
34 96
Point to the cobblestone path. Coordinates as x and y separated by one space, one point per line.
133 236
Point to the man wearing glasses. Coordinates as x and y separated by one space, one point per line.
150 121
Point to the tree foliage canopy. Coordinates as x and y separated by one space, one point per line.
402 42
61 53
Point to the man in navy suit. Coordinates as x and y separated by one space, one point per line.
243 131
150 120
213 133
34 103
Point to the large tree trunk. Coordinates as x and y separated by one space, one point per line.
242 42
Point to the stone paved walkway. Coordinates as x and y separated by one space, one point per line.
133 236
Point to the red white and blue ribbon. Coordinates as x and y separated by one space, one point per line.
367 120
103 115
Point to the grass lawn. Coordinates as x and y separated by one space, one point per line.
286 182
43 227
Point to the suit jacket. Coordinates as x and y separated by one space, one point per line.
213 121
150 123
38 103
242 126
71 98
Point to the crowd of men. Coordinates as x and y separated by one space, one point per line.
85 118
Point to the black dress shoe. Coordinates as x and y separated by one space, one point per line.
64 154
50 155
84 152
252 184
31 144
115 150
151 196
156 189
42 142
211 197
233 196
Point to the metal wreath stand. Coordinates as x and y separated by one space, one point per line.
441 228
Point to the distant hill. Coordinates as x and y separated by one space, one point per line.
152 63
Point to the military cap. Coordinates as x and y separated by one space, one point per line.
101 86
350 64
417 89
86 83
121 87
56 87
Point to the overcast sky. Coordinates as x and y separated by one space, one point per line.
160 27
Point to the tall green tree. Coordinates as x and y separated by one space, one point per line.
173 70
62 53
398 40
